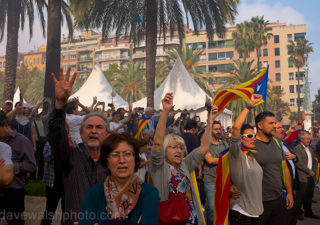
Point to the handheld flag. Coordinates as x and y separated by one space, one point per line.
143 121
257 85
222 189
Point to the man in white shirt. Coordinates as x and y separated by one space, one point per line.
117 125
74 120
306 167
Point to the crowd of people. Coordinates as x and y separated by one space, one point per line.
108 167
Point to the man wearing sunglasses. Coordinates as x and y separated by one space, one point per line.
271 158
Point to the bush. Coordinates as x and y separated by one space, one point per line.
35 188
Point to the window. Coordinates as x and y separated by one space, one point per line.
289 37
106 66
212 44
213 68
26 62
73 66
30 61
277 87
200 69
65 67
65 57
299 36
277 51
106 55
229 43
299 89
291 76
201 45
34 61
265 52
213 56
291 102
291 88
301 75
301 101
73 56
277 63
276 38
221 44
38 60
278 77
290 63
219 68
203 58
265 64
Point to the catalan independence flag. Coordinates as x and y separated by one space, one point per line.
257 85
141 124
222 189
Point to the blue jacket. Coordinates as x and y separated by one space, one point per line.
94 203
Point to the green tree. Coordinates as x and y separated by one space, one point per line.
149 18
130 82
162 71
261 35
110 73
293 117
12 15
275 103
298 52
243 39
316 106
35 89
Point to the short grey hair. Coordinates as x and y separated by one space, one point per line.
302 134
173 137
94 114
148 109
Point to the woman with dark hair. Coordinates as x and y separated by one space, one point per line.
245 172
123 198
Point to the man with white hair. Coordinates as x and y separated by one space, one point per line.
306 166
149 112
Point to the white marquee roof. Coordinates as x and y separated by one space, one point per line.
97 85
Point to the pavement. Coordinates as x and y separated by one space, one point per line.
34 208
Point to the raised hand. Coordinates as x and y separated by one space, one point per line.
63 87
95 100
214 112
255 98
167 101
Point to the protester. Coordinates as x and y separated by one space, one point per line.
189 136
291 160
12 195
273 162
80 166
245 172
169 172
123 198
6 165
306 168
118 125
144 161
8 106
210 167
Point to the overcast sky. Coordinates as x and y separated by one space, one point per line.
286 11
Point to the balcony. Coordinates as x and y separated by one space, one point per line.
85 59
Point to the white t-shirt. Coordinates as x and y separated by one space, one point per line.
114 125
143 170
74 122
6 153
309 158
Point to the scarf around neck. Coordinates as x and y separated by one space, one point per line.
121 204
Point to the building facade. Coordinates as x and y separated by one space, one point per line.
220 53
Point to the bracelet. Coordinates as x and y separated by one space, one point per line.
249 106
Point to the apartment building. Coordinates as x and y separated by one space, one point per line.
36 58
220 53
3 62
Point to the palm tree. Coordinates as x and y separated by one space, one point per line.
298 52
149 18
261 35
162 71
34 91
243 39
275 103
130 82
12 12
56 8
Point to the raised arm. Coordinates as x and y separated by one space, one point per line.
95 100
57 131
82 106
167 103
205 140
129 114
255 98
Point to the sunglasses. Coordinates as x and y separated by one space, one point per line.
249 136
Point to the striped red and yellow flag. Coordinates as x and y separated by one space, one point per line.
141 124
257 85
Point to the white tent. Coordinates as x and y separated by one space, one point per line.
97 85
187 95
16 97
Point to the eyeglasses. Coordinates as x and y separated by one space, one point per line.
249 136
126 155
175 147
279 127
